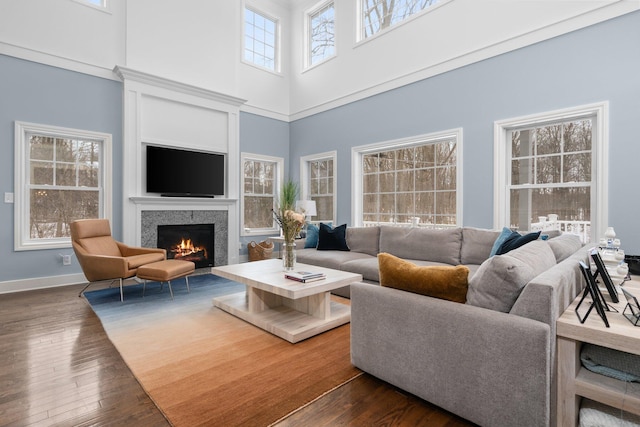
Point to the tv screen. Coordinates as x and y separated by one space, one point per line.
176 172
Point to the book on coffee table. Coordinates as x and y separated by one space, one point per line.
304 276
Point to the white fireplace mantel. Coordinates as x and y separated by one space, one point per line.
169 113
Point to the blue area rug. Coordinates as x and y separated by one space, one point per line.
205 367
157 298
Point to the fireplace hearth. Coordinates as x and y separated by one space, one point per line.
189 242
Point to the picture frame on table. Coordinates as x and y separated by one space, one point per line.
591 289
601 270
633 315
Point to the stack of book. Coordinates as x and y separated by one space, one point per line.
304 276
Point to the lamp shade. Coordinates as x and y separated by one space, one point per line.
307 206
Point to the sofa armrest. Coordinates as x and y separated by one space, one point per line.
489 367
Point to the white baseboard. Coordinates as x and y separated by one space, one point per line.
40 283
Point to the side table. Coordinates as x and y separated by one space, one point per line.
575 381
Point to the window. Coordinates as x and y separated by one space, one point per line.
378 15
321 34
408 179
61 175
260 38
318 178
550 169
261 183
103 5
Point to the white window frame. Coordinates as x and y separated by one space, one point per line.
104 6
279 162
305 175
277 40
307 31
358 152
599 152
22 239
360 37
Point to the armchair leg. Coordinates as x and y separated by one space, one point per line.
84 289
121 293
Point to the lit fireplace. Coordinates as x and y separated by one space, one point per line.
188 242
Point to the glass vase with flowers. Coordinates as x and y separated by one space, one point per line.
290 221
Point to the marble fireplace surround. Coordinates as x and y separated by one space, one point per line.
154 211
151 219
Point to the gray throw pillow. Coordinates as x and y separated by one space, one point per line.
497 283
564 245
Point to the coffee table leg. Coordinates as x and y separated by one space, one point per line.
318 306
258 300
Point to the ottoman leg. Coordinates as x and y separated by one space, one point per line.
144 287
170 290
186 278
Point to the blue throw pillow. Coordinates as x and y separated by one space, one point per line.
516 240
332 239
499 241
311 241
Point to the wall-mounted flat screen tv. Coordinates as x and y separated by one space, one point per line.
184 173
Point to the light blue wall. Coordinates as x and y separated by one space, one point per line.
262 135
598 63
42 94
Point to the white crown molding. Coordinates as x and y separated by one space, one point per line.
141 77
55 61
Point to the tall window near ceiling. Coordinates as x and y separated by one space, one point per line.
318 180
409 179
321 43
260 40
378 15
552 171
61 175
262 180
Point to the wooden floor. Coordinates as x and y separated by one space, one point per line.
57 367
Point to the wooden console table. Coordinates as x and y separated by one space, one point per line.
575 381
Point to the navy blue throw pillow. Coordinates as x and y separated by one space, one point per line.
516 240
332 238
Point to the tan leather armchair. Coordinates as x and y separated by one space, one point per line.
103 258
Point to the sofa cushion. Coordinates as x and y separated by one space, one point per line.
564 245
515 240
444 282
332 239
476 245
498 282
422 243
364 239
328 259
311 239
367 266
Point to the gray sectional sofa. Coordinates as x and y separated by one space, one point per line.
491 360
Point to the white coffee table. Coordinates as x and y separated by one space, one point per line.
291 310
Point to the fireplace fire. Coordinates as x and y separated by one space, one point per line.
188 242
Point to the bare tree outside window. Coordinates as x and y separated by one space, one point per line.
378 15
551 174
259 193
321 188
64 184
322 43
418 181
